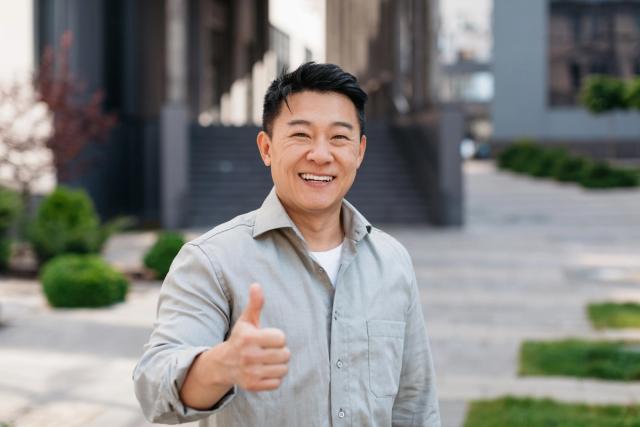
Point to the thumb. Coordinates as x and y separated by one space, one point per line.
253 309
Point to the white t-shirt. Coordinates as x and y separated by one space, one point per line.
330 261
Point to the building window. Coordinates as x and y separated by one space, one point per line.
587 37
279 43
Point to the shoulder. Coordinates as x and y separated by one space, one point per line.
237 228
388 246
227 238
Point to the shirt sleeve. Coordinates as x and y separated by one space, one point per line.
193 315
416 403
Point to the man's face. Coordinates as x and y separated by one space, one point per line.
314 151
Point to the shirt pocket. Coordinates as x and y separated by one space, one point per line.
386 341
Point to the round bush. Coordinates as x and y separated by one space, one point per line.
600 94
82 281
66 222
162 253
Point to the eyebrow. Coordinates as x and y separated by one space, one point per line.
308 123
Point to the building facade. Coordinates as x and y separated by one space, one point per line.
543 51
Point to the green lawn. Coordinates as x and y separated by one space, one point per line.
513 412
614 315
611 360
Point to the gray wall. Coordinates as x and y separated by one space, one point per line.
520 106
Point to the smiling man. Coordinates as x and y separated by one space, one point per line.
299 313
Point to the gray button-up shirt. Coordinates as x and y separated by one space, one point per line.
359 352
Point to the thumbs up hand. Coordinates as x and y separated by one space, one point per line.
257 358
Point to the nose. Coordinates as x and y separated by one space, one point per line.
320 152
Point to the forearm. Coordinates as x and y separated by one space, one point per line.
206 382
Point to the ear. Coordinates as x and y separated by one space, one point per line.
361 149
264 146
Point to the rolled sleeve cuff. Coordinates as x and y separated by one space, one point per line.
181 365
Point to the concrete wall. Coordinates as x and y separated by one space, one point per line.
520 107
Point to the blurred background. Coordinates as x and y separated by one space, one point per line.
504 152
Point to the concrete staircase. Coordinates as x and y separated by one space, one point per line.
227 178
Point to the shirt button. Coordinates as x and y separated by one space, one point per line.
341 413
339 363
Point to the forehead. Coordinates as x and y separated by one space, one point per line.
318 108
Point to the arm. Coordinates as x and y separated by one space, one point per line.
416 403
180 378
193 314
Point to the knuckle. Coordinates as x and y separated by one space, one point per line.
287 354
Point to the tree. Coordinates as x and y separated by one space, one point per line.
47 123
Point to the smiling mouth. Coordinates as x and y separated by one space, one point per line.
316 178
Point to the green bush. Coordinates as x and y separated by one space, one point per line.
633 94
82 281
10 209
66 222
546 161
601 94
162 253
518 156
570 168
602 175
5 253
527 158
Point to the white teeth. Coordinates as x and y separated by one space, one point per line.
310 177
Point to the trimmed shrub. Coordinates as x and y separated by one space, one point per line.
546 161
602 175
539 161
570 169
161 255
82 281
66 222
601 94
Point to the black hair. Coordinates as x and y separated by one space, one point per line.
312 77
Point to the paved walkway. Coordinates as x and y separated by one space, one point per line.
532 255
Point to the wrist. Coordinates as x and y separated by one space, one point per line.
219 372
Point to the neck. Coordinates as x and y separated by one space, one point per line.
321 232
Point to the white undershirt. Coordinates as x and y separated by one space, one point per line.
330 261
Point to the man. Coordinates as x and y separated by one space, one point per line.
299 313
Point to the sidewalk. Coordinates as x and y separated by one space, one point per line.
532 255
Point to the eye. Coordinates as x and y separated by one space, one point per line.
340 136
300 135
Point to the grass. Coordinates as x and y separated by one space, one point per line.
615 360
614 315
513 412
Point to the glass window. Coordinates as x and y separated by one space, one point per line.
590 37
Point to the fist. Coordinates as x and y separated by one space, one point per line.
258 358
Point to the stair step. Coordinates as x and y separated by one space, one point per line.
227 178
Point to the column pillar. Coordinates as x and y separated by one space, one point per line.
174 120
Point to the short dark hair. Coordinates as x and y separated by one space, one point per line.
312 77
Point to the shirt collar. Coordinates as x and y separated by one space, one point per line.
272 216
